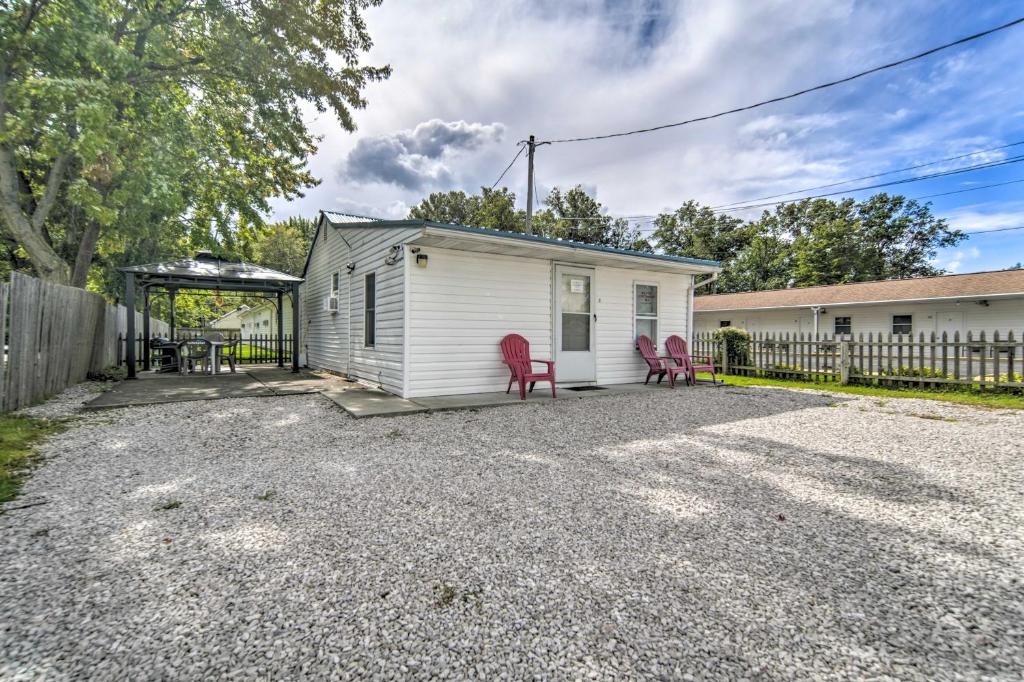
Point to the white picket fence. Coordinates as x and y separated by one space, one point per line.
54 336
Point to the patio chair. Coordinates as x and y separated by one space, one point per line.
657 365
228 353
515 351
196 351
676 347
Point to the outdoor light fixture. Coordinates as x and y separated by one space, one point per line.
421 260
350 267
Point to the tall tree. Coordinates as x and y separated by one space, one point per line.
122 121
453 208
574 214
697 231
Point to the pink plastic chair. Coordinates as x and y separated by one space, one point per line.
655 364
676 347
516 353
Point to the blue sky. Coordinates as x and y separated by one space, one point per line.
471 79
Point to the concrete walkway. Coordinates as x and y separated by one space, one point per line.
356 399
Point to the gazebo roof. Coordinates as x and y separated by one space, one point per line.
207 271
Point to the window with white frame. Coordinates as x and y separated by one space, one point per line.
645 311
842 325
335 284
725 323
902 324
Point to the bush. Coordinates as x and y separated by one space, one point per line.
737 345
915 372
108 374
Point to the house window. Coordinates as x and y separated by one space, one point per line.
370 310
645 322
902 324
335 284
843 325
725 323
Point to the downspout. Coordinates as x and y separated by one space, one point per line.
693 286
816 310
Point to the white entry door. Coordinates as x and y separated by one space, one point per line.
951 322
574 324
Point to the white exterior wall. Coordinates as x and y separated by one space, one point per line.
262 319
335 340
1002 315
463 303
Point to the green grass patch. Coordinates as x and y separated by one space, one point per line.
977 399
18 438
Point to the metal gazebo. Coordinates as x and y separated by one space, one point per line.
207 272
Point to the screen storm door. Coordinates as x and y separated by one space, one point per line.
575 359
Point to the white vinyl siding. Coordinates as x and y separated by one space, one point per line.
463 303
335 341
460 307
1002 315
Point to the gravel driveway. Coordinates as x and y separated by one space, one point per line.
702 533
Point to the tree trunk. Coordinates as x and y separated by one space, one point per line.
86 249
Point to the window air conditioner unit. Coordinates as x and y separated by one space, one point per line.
332 304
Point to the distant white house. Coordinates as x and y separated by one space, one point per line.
230 321
420 307
975 302
259 319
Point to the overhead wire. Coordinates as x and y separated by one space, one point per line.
782 98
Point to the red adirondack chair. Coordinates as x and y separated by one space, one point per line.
676 347
655 364
516 353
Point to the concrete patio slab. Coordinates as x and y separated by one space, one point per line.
539 395
362 401
151 388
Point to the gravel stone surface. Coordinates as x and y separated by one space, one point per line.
68 402
689 534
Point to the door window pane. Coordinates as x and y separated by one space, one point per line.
576 331
575 293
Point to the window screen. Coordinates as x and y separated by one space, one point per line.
902 324
370 309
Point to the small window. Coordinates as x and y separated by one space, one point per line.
370 310
645 311
902 324
843 325
335 284
725 323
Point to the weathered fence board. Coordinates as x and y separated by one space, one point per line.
929 361
54 336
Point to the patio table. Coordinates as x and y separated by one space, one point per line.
215 348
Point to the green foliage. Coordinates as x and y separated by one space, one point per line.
154 127
18 437
737 344
283 246
915 372
571 214
697 231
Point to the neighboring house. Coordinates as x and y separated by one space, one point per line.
420 307
262 319
977 302
231 320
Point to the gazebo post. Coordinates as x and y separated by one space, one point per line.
280 329
129 342
145 329
171 294
295 326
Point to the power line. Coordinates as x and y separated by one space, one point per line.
969 189
805 91
868 177
995 229
510 164
968 169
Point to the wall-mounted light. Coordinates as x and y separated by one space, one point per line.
392 258
983 304
350 267
421 260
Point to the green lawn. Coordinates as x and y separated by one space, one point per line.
18 436
975 398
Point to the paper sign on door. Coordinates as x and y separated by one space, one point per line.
577 286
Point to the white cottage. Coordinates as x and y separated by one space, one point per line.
419 308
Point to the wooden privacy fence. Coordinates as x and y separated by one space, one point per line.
943 360
53 337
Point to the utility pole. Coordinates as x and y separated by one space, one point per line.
531 145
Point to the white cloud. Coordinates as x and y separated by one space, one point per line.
582 67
